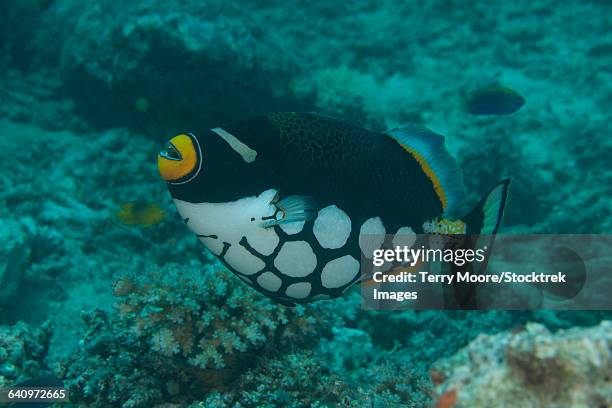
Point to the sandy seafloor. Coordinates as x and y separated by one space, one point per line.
90 92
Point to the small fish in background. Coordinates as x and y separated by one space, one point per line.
141 213
494 100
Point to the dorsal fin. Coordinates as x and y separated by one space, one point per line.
428 149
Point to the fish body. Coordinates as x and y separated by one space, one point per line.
141 213
290 202
494 101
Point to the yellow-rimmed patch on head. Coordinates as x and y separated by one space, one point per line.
181 160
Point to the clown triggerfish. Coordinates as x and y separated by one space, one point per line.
285 200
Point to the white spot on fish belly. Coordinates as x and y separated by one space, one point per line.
243 261
263 240
292 228
404 236
332 227
296 259
339 272
269 281
299 290
371 236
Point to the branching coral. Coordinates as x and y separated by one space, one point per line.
210 319
294 380
305 379
203 329
114 368
396 383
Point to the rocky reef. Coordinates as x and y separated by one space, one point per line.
140 316
530 367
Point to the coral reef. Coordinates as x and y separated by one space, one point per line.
293 380
200 328
531 367
307 379
22 352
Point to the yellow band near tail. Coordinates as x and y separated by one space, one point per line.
430 173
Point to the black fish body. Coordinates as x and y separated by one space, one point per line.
287 201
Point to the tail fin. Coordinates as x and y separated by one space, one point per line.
482 224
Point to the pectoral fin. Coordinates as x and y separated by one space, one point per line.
292 209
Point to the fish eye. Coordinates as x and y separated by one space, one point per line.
170 152
181 159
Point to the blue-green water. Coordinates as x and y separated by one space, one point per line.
127 314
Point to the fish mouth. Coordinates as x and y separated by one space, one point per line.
171 153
